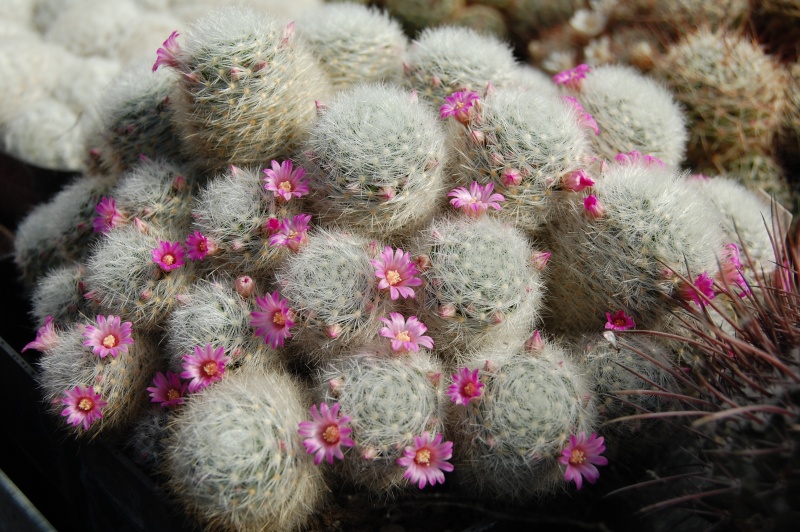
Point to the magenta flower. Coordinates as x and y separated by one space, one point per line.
46 337
108 216
460 105
572 77
406 335
168 255
577 181
581 456
619 321
206 366
199 246
586 119
293 233
703 284
109 337
396 272
477 200
426 460
285 182
731 270
326 434
466 387
275 320
167 55
84 407
593 207
635 157
168 389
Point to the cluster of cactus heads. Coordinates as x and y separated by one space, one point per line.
326 233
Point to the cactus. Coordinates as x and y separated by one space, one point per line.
60 294
247 88
389 399
507 440
529 17
234 458
760 172
354 44
483 19
377 160
417 16
145 444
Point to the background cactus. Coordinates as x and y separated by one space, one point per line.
60 294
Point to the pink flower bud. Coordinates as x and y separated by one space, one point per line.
435 377
577 181
422 262
490 366
244 286
498 159
335 386
593 207
534 344
141 226
388 193
179 183
512 176
539 259
497 318
448 310
333 331
370 453
478 137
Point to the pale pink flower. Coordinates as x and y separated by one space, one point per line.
731 269
572 77
577 181
512 176
397 273
475 201
619 321
198 246
460 105
426 460
326 433
84 406
206 366
46 337
168 390
108 216
110 337
593 207
539 259
586 119
466 386
244 285
581 456
636 157
273 321
293 233
406 335
285 182
167 55
702 284
168 255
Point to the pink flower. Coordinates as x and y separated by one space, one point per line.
460 105
731 270
168 255
539 259
206 366
244 285
326 434
109 217
577 181
477 200
109 337
168 389
199 246
426 460
46 337
581 456
593 207
83 406
406 335
703 284
275 320
396 272
635 157
466 387
512 176
167 55
285 182
572 77
293 233
586 119
534 344
619 321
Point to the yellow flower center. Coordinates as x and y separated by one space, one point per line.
168 259
423 457
201 246
292 234
468 390
173 394
85 404
331 434
210 369
577 458
286 186
619 322
110 341
392 277
279 319
403 336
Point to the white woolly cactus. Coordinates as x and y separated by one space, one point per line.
145 443
480 284
389 400
60 294
354 44
138 275
247 88
633 113
60 231
108 356
508 438
377 158
234 458
618 249
449 59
